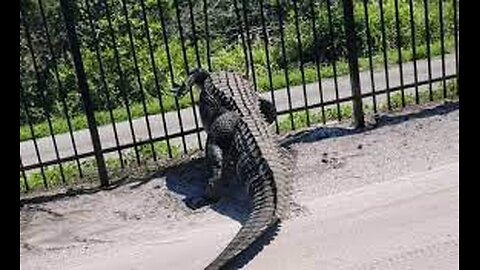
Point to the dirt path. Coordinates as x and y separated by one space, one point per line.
380 199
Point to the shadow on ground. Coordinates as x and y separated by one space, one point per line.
126 178
189 180
320 133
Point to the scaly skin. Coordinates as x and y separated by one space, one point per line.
237 124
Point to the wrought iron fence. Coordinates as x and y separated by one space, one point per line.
95 75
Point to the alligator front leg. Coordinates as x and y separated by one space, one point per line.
214 160
215 167
268 110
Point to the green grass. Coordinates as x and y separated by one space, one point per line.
295 77
59 125
71 174
331 112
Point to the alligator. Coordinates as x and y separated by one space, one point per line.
238 126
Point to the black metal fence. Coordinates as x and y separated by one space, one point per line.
95 75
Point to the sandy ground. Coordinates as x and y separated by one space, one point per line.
386 198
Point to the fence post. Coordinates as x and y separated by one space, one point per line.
352 52
68 15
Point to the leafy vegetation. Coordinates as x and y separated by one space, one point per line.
118 75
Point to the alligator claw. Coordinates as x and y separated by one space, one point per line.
198 202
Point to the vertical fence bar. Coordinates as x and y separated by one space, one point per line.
194 34
385 59
317 59
25 181
199 64
267 55
121 77
34 138
349 23
414 51
399 49
172 78
280 14
207 34
429 57
300 53
187 71
442 45
139 80
455 36
68 10
249 42
155 75
334 56
61 90
104 82
42 88
242 36
370 54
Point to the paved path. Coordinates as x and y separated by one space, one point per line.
408 223
83 141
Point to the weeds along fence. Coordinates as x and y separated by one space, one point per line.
96 75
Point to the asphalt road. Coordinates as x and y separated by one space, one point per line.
83 140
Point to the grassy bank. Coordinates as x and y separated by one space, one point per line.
53 174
